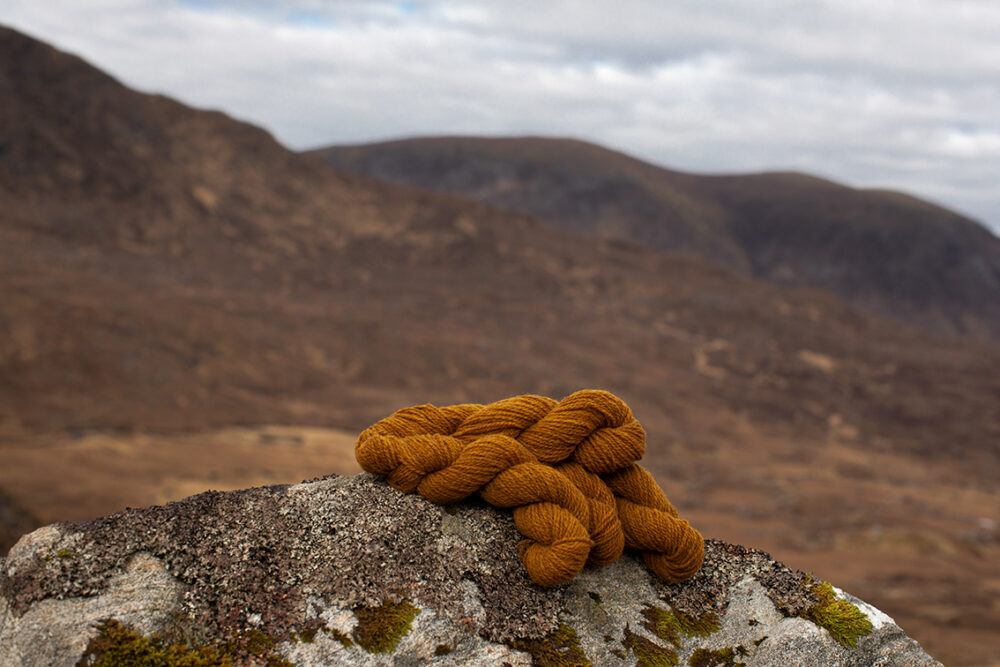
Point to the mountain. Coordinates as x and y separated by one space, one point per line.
884 252
167 272
169 268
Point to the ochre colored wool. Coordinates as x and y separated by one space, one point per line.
568 469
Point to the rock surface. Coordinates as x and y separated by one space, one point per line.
346 570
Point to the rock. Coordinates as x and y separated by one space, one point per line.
346 570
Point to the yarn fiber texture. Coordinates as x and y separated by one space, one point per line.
566 468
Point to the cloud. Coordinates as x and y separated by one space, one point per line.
891 94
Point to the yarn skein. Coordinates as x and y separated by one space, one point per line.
566 468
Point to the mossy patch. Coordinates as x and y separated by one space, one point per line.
308 633
648 653
339 636
596 597
671 625
558 649
117 645
380 629
442 649
720 657
259 643
843 620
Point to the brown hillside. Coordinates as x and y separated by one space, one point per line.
14 522
885 252
181 298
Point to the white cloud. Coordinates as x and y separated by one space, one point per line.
898 93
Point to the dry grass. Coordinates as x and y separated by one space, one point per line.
69 479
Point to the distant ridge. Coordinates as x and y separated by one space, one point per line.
885 252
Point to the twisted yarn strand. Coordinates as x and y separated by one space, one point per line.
567 469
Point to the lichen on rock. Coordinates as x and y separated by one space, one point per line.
349 571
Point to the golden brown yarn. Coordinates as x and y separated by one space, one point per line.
567 469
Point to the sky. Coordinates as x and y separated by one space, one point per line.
903 94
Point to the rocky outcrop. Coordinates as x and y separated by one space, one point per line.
346 570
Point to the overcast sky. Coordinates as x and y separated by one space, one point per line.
874 93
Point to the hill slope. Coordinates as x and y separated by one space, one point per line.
14 522
170 268
885 252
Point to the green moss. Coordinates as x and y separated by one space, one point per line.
596 597
60 553
720 657
843 620
442 649
647 653
671 625
344 640
559 649
259 643
308 634
117 645
380 629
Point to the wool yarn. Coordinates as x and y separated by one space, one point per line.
567 469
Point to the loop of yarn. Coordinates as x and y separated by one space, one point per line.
566 468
